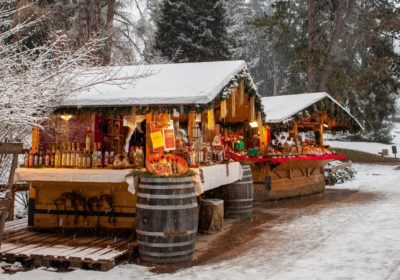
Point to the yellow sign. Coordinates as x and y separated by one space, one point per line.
157 140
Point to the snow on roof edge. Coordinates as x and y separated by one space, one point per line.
308 104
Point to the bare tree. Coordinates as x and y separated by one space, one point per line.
34 81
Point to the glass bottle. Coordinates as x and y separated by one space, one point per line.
57 160
78 156
88 159
36 159
68 155
53 156
47 158
26 158
73 155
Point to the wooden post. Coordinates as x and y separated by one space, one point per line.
296 137
321 131
10 184
295 130
149 118
14 149
35 140
321 135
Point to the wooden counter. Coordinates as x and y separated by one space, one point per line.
289 179
87 199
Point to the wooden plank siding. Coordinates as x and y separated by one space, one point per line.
287 182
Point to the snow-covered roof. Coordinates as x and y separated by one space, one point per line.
281 108
180 83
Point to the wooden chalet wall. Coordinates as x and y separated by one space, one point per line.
288 180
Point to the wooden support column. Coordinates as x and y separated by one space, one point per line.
321 131
35 140
296 136
149 118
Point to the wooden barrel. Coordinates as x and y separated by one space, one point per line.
238 197
167 219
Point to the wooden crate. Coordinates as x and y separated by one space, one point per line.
294 178
48 211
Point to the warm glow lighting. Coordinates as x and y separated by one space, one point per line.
66 117
253 124
325 125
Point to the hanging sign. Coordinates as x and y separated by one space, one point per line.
157 140
169 139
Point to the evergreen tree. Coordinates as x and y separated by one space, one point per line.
347 50
192 31
251 44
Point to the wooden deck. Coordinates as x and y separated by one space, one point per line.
34 248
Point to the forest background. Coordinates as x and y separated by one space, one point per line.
344 47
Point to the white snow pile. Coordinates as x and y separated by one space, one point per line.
341 175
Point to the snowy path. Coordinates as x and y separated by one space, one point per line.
357 237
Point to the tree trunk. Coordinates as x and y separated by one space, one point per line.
83 22
94 10
275 74
312 68
342 17
109 30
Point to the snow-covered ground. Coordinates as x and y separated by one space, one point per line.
354 238
368 147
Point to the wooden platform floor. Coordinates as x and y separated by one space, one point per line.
34 248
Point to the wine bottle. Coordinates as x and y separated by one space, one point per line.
57 160
73 155
26 158
47 158
36 160
94 156
68 155
88 159
63 158
78 156
53 156
40 156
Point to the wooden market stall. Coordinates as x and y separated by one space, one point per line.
292 164
171 128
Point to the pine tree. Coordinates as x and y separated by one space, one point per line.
352 59
250 43
192 31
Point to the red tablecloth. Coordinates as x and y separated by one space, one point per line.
285 159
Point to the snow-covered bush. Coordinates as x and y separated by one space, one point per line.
340 175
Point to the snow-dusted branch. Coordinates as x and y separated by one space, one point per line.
34 81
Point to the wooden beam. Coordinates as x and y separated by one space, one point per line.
35 140
11 148
149 118
10 185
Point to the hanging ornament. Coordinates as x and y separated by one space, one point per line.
252 108
241 93
233 103
210 120
223 109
